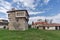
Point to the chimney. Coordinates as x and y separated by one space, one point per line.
13 9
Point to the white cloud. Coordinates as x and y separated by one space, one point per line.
34 13
27 3
3 10
30 4
56 18
34 19
4 18
4 6
46 1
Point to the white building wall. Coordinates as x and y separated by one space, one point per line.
32 26
50 28
40 27
1 26
58 28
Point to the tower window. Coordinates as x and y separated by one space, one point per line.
20 14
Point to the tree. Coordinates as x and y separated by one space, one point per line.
46 20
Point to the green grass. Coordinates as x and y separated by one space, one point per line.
31 34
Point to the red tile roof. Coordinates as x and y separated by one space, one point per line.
47 24
40 23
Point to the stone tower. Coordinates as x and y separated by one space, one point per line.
18 19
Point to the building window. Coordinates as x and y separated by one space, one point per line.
48 27
20 14
37 27
4 27
43 27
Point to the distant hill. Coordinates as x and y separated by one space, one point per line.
31 34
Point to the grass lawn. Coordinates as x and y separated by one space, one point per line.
31 34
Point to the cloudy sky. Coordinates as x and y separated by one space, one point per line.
37 9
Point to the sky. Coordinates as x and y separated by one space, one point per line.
37 9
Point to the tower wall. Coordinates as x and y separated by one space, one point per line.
18 20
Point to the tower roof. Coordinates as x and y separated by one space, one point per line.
13 10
